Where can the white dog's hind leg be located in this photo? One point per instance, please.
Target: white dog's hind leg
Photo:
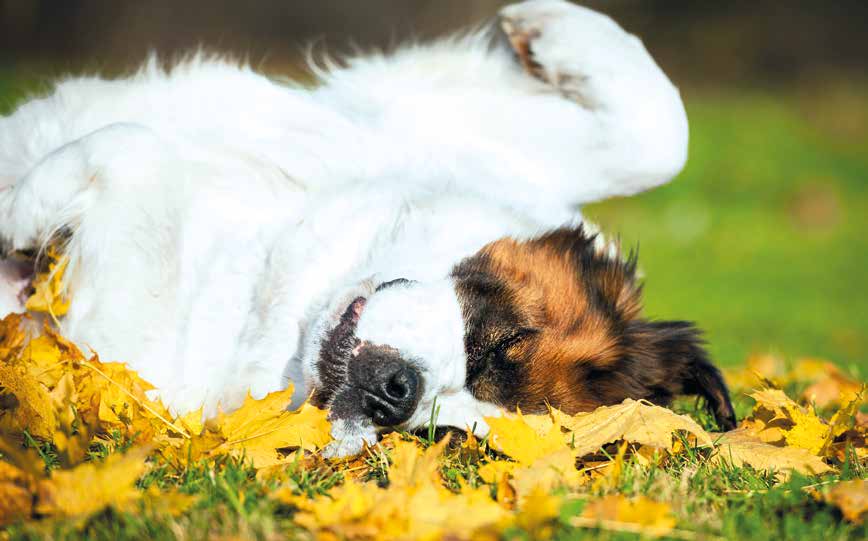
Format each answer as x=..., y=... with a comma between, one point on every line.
x=595, y=117
x=58, y=190
x=591, y=60
x=110, y=192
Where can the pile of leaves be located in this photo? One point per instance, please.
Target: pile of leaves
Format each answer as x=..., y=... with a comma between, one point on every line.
x=86, y=453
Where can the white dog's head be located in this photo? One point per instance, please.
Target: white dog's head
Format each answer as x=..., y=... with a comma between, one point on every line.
x=553, y=320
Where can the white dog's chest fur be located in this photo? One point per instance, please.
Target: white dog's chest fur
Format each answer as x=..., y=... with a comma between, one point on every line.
x=217, y=215
x=251, y=281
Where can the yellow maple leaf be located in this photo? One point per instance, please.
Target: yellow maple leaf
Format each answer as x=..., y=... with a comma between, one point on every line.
x=89, y=488
x=485, y=519
x=415, y=505
x=50, y=295
x=808, y=431
x=525, y=437
x=32, y=409
x=171, y=502
x=345, y=504
x=260, y=427
x=799, y=427
x=640, y=515
x=44, y=360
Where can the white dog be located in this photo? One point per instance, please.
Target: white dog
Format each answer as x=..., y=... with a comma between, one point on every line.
x=227, y=232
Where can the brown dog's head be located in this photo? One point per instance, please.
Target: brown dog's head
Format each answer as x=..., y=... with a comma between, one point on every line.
x=555, y=320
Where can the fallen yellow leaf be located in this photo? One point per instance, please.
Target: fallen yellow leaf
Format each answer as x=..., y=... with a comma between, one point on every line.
x=16, y=494
x=513, y=435
x=259, y=428
x=32, y=408
x=50, y=295
x=555, y=470
x=411, y=466
x=851, y=497
x=739, y=447
x=619, y=513
x=91, y=487
x=757, y=368
x=799, y=427
x=537, y=513
x=834, y=388
x=635, y=421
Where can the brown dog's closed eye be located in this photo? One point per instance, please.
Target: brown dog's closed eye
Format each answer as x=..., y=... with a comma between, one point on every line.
x=557, y=320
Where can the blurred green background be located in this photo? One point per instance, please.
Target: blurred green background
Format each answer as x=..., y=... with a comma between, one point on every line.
x=762, y=239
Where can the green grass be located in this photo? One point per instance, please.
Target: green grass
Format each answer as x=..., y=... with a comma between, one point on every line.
x=709, y=501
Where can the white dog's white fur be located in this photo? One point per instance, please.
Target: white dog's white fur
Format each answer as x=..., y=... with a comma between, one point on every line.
x=221, y=221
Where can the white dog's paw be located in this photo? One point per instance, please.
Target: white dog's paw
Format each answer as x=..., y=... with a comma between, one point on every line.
x=350, y=438
x=577, y=50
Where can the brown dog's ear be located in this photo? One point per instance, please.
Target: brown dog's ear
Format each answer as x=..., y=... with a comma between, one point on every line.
x=669, y=357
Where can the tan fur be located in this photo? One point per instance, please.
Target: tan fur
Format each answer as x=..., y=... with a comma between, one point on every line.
x=546, y=287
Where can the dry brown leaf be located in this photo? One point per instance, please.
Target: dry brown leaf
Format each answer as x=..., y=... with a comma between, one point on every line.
x=851, y=497
x=635, y=421
x=739, y=447
x=12, y=336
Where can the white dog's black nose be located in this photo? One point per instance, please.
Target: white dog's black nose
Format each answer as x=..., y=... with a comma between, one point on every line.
x=390, y=385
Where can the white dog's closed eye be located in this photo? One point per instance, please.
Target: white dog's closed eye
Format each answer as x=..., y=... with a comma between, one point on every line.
x=220, y=245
